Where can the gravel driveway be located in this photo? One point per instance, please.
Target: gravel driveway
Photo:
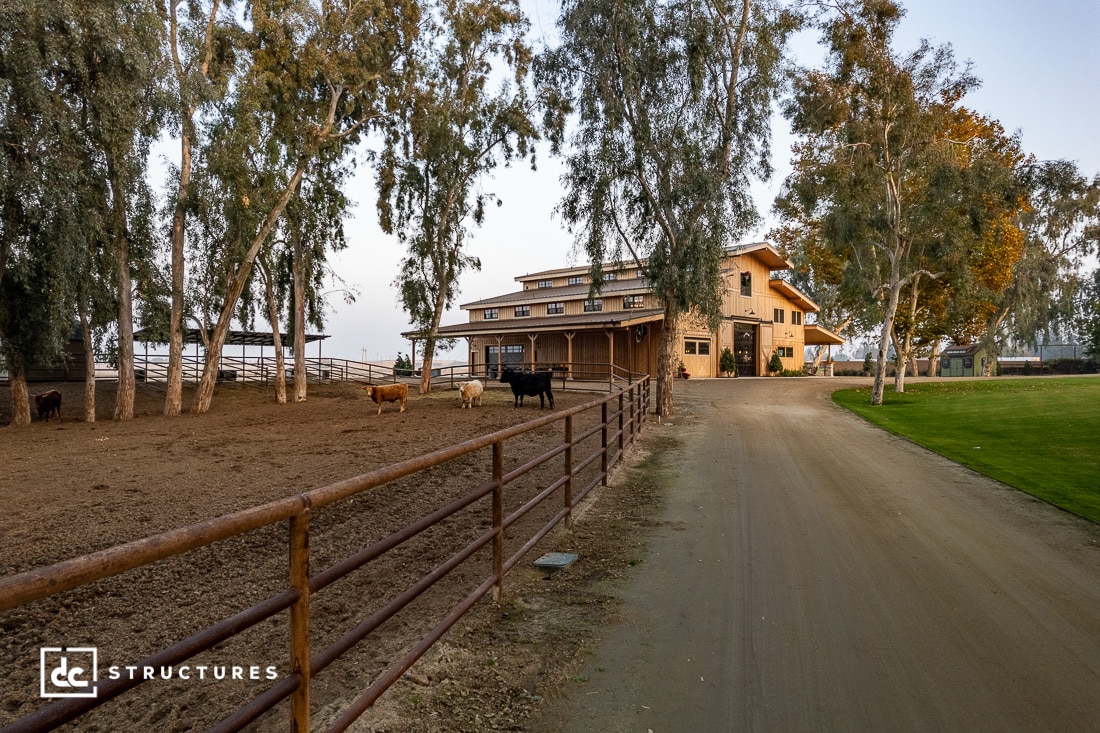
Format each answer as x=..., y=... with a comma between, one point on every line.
x=812, y=572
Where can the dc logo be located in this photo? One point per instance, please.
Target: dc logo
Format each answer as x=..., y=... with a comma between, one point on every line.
x=68, y=671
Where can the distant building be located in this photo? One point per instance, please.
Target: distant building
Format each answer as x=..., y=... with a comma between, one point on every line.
x=554, y=322
x=964, y=360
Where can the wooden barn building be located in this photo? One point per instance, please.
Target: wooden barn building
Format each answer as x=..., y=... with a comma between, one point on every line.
x=551, y=322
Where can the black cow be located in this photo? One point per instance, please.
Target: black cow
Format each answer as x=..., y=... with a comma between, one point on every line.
x=48, y=403
x=526, y=383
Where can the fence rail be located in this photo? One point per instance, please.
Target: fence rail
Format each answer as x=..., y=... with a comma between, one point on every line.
x=621, y=417
x=263, y=369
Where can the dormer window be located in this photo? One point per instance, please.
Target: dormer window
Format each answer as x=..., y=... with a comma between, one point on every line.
x=633, y=301
x=576, y=280
x=546, y=283
x=610, y=276
x=522, y=311
x=555, y=309
x=491, y=314
x=593, y=305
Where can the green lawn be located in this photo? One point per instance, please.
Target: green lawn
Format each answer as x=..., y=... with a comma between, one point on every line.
x=1040, y=435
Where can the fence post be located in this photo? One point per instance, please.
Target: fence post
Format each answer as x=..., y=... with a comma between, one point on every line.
x=603, y=441
x=299, y=621
x=620, y=424
x=498, y=520
x=633, y=413
x=568, y=470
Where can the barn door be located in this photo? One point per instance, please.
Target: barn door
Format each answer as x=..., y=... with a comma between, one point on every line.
x=744, y=349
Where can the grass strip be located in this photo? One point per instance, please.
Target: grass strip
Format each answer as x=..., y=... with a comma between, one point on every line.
x=1040, y=435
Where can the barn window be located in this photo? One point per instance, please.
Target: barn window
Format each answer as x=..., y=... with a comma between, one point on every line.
x=546, y=283
x=553, y=309
x=697, y=347
x=633, y=301
x=796, y=318
x=576, y=280
x=777, y=315
x=491, y=314
x=610, y=276
x=522, y=311
x=746, y=284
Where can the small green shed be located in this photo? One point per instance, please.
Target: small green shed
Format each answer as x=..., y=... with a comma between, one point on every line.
x=964, y=360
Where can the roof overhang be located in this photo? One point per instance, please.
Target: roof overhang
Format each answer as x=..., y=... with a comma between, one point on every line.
x=795, y=295
x=764, y=252
x=819, y=336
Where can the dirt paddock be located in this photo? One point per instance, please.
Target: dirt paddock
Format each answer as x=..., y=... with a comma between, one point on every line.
x=69, y=488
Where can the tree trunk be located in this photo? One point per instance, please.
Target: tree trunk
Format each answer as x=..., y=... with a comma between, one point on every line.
x=439, y=306
x=20, y=403
x=204, y=394
x=301, y=377
x=124, y=402
x=173, y=400
x=89, y=365
x=934, y=361
x=884, y=343
x=276, y=336
x=666, y=362
x=426, y=365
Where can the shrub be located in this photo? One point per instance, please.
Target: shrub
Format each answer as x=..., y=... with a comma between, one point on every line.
x=726, y=363
x=775, y=366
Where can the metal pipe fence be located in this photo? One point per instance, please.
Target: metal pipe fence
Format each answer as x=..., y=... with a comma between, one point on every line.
x=621, y=417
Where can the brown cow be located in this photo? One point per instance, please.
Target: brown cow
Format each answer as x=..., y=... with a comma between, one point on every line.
x=48, y=403
x=388, y=393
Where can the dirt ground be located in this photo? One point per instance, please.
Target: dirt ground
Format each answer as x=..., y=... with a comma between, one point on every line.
x=68, y=488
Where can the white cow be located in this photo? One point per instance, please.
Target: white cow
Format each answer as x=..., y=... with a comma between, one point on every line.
x=471, y=393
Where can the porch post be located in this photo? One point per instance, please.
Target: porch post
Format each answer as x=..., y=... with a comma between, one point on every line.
x=610, y=353
x=533, y=337
x=569, y=352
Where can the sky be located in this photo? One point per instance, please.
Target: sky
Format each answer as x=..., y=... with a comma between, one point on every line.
x=1040, y=75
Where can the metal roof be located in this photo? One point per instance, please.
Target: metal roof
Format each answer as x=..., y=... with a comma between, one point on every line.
x=563, y=292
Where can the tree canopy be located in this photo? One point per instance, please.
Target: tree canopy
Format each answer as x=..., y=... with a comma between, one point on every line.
x=670, y=106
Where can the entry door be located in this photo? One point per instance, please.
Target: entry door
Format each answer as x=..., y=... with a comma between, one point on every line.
x=744, y=349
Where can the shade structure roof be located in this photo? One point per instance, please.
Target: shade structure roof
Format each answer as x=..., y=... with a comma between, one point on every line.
x=234, y=338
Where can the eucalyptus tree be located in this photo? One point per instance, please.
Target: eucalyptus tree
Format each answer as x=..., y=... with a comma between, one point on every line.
x=203, y=40
x=1088, y=315
x=455, y=129
x=1061, y=228
x=81, y=108
x=671, y=103
x=880, y=172
x=295, y=266
x=116, y=80
x=39, y=171
x=316, y=74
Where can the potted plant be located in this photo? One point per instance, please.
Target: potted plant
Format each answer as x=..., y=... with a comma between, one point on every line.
x=683, y=371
